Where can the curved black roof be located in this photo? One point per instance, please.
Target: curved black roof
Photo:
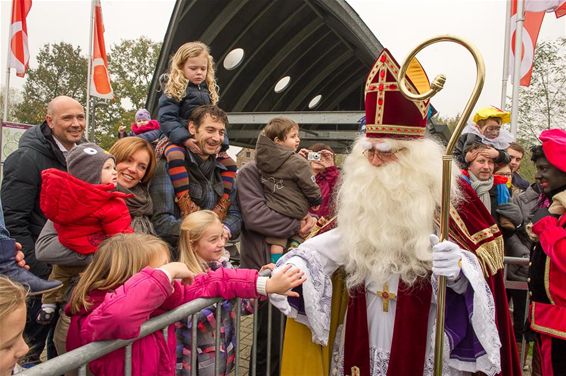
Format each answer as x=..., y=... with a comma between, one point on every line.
x=322, y=45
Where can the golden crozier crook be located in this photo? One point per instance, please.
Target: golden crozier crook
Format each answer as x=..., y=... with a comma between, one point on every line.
x=436, y=86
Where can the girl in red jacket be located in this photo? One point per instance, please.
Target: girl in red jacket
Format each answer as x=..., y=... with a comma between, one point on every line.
x=85, y=209
x=131, y=280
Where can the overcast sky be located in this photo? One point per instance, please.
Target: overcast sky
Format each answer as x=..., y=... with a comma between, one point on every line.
x=398, y=24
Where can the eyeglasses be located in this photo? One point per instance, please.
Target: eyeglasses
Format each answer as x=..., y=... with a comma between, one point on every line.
x=371, y=153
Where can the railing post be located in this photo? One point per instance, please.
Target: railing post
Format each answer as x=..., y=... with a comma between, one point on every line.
x=238, y=322
x=217, y=342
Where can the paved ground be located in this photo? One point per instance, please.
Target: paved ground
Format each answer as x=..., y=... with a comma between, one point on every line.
x=246, y=338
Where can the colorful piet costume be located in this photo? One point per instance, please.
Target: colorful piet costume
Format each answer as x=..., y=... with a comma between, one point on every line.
x=387, y=328
x=547, y=273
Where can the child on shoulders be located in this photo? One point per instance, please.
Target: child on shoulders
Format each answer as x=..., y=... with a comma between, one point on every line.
x=486, y=130
x=191, y=83
x=143, y=126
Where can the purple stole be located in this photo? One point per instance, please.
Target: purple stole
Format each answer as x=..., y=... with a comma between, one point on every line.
x=408, y=348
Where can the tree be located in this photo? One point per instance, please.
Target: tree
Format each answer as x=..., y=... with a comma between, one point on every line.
x=541, y=105
x=61, y=71
x=131, y=64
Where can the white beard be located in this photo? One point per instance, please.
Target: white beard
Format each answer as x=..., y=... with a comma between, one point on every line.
x=386, y=213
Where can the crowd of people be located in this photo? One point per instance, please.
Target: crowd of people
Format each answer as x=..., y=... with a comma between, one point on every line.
x=93, y=243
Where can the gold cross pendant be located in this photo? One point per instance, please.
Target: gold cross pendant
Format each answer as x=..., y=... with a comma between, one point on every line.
x=385, y=296
x=355, y=371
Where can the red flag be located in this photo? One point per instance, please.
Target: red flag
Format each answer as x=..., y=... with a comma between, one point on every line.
x=560, y=9
x=100, y=78
x=534, y=15
x=19, y=53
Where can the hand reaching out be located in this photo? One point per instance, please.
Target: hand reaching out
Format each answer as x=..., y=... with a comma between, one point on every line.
x=284, y=279
x=179, y=270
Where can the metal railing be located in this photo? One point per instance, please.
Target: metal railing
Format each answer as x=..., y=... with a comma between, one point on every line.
x=518, y=285
x=79, y=358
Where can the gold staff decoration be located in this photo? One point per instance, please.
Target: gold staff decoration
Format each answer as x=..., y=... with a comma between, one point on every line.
x=436, y=86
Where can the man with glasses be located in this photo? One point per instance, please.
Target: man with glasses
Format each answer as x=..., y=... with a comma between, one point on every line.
x=387, y=210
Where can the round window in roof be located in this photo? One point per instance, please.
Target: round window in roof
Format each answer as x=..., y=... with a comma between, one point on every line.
x=282, y=84
x=234, y=59
x=315, y=101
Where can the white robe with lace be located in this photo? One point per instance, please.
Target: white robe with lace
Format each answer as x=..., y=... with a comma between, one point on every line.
x=319, y=257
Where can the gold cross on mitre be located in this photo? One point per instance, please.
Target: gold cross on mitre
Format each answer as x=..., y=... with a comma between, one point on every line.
x=385, y=296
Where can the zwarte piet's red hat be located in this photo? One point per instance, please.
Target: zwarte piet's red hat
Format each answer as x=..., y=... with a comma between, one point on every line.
x=388, y=113
x=554, y=147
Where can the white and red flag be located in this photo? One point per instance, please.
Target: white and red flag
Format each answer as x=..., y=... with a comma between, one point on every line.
x=100, y=77
x=534, y=15
x=18, y=51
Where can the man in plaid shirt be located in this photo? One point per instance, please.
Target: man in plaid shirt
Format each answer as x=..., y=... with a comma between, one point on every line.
x=208, y=125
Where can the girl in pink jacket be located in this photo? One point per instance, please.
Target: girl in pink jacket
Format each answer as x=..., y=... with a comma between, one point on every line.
x=131, y=280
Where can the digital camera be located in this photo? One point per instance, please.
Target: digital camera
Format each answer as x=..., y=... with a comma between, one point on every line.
x=313, y=156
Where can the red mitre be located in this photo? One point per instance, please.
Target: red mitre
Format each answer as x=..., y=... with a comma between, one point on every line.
x=388, y=113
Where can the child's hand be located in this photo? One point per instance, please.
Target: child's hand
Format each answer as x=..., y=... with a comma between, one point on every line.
x=269, y=266
x=304, y=153
x=122, y=128
x=284, y=279
x=179, y=270
x=193, y=146
x=307, y=223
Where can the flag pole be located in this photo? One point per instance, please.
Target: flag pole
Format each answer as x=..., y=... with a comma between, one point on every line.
x=88, y=129
x=507, y=51
x=7, y=82
x=517, y=66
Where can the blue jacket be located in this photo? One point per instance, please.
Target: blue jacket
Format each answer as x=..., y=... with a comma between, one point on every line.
x=173, y=116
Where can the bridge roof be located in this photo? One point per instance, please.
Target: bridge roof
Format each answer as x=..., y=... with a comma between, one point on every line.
x=321, y=45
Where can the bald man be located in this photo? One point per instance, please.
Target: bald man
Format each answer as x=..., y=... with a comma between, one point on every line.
x=40, y=147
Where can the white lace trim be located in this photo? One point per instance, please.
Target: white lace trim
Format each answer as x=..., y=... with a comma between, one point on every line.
x=483, y=322
x=317, y=293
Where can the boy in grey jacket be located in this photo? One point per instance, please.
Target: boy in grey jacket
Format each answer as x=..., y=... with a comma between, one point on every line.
x=287, y=179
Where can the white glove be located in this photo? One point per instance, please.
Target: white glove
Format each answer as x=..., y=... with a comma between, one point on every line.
x=446, y=258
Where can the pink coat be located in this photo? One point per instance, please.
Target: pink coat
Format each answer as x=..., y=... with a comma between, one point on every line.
x=119, y=314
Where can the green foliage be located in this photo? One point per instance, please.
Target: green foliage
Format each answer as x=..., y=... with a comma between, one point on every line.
x=61, y=71
x=541, y=105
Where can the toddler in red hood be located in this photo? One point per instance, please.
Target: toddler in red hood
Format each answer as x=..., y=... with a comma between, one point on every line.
x=85, y=208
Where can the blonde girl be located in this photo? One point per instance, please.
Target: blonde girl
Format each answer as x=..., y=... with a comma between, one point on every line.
x=200, y=69
x=201, y=248
x=130, y=280
x=191, y=83
x=12, y=323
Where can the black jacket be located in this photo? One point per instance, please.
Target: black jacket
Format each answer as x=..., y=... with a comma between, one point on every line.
x=21, y=186
x=173, y=116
